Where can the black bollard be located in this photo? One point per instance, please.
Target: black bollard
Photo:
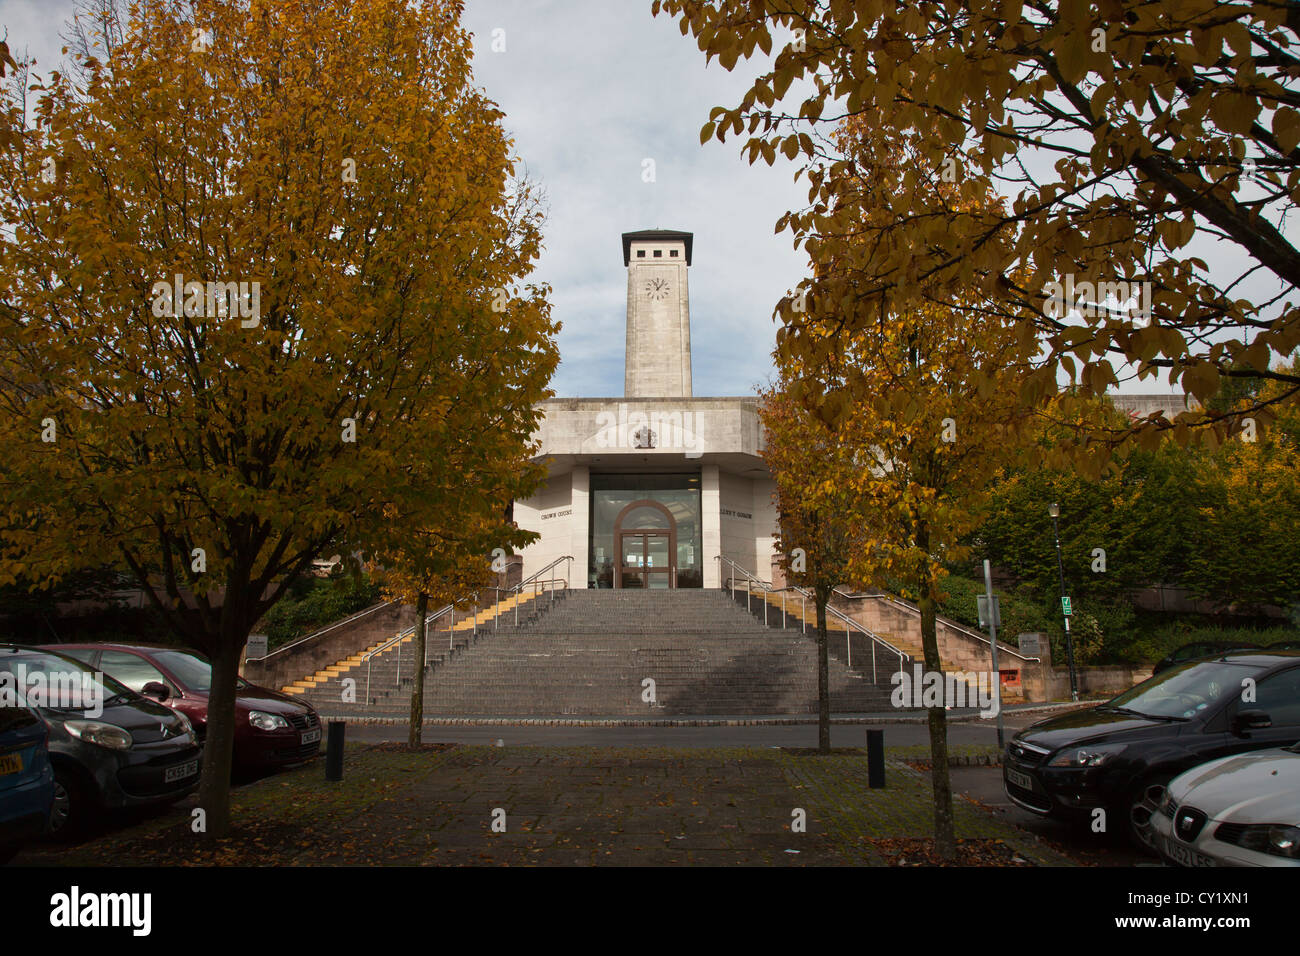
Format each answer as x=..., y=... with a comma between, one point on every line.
x=334, y=750
x=876, y=759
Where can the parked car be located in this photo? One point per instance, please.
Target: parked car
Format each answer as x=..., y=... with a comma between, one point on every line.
x=1120, y=755
x=1235, y=811
x=1198, y=649
x=271, y=729
x=110, y=748
x=26, y=777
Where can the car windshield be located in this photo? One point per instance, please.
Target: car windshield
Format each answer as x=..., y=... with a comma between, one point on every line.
x=61, y=683
x=190, y=669
x=1184, y=691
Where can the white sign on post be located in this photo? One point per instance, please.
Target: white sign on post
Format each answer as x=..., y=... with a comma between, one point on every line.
x=984, y=611
x=256, y=649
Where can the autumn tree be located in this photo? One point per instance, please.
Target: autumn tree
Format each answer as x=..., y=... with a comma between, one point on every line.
x=1133, y=142
x=1213, y=520
x=1126, y=528
x=925, y=404
x=453, y=562
x=1242, y=553
x=819, y=533
x=262, y=283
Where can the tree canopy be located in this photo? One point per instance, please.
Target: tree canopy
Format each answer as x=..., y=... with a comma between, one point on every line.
x=259, y=300
x=1116, y=133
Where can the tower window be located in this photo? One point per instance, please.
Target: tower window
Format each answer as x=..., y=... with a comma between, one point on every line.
x=640, y=253
x=672, y=253
x=659, y=253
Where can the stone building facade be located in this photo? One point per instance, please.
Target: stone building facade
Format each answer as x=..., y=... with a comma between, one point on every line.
x=649, y=489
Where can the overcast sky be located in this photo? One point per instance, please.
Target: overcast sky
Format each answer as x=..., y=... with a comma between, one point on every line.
x=592, y=89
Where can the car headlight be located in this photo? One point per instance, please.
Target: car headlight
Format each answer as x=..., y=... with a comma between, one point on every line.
x=265, y=721
x=1274, y=840
x=1088, y=756
x=105, y=735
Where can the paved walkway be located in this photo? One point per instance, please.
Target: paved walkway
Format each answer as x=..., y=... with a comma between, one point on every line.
x=561, y=806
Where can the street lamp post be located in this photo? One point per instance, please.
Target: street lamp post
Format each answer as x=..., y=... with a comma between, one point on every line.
x=1055, y=511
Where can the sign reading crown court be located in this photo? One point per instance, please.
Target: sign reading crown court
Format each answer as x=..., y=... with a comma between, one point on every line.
x=647, y=490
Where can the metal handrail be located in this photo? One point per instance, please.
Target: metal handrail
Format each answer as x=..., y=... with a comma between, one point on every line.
x=314, y=634
x=1003, y=647
x=804, y=593
x=368, y=657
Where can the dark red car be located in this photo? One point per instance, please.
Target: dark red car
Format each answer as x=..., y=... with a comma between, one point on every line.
x=271, y=729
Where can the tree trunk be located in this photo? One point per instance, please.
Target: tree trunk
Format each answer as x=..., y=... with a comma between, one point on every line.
x=945, y=837
x=219, y=745
x=415, y=735
x=823, y=675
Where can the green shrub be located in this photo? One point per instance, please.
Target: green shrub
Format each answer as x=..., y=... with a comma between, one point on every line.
x=1167, y=636
x=1021, y=611
x=315, y=603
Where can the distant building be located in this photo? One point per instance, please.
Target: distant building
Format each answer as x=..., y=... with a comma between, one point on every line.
x=1141, y=406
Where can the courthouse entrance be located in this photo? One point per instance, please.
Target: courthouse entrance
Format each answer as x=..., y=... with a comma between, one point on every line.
x=647, y=545
x=645, y=531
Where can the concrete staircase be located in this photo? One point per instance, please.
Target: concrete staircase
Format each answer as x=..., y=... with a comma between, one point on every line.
x=593, y=652
x=800, y=613
x=889, y=624
x=464, y=628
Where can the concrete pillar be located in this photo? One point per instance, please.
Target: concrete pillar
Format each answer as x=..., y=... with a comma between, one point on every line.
x=711, y=525
x=579, y=525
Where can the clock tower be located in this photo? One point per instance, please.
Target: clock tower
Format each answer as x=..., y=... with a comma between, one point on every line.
x=658, y=362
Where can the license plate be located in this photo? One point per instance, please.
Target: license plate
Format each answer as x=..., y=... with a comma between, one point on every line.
x=1183, y=855
x=311, y=736
x=11, y=763
x=1022, y=780
x=180, y=772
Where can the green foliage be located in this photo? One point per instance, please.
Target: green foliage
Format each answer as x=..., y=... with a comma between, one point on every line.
x=1248, y=519
x=317, y=603
x=1103, y=632
x=1142, y=518
x=1164, y=636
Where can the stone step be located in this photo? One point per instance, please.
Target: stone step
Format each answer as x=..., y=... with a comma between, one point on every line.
x=590, y=650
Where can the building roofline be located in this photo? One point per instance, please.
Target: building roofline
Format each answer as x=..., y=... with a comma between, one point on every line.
x=651, y=234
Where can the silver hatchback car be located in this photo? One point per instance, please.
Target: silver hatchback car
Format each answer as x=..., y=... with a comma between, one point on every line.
x=1236, y=811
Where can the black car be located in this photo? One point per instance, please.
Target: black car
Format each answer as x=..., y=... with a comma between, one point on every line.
x=1199, y=649
x=110, y=747
x=1118, y=756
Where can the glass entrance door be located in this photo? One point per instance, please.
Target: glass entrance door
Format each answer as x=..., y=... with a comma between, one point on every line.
x=645, y=559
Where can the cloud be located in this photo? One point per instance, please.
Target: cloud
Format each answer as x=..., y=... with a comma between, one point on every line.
x=591, y=90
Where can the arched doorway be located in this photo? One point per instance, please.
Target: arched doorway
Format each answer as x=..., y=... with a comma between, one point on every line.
x=645, y=533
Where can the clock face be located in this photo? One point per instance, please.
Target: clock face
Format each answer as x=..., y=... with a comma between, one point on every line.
x=657, y=289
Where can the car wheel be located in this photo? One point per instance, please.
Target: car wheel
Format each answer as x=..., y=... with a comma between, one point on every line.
x=1142, y=803
x=68, y=811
